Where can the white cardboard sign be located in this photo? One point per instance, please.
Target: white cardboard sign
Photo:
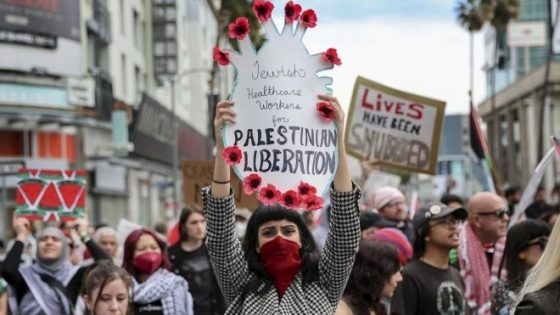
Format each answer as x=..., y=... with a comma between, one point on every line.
x=397, y=128
x=279, y=131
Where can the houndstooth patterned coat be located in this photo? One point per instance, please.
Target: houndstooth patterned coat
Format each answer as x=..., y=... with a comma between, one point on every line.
x=317, y=298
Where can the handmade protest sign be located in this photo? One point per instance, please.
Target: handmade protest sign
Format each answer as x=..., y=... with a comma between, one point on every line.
x=198, y=174
x=284, y=143
x=51, y=195
x=399, y=129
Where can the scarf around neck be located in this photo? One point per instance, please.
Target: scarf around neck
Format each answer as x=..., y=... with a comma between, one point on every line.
x=170, y=289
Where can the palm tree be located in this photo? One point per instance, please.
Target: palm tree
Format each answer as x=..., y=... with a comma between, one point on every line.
x=225, y=13
x=472, y=15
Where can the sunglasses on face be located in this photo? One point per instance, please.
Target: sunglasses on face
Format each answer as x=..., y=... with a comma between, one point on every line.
x=500, y=213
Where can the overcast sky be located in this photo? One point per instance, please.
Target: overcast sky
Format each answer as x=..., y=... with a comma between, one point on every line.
x=412, y=45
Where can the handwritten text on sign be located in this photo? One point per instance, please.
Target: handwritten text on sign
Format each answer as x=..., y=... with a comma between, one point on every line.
x=278, y=128
x=399, y=129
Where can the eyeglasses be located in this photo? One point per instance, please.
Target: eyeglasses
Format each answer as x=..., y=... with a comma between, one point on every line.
x=500, y=213
x=449, y=222
x=540, y=241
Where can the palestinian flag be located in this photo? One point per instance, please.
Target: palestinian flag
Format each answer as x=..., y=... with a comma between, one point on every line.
x=479, y=149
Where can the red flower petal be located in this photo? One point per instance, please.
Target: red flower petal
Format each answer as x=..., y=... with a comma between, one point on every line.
x=251, y=183
x=304, y=189
x=309, y=18
x=263, y=10
x=290, y=199
x=269, y=195
x=326, y=110
x=331, y=56
x=312, y=203
x=221, y=57
x=292, y=12
x=232, y=155
x=239, y=29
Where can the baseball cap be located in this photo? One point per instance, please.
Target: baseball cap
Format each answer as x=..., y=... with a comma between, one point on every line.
x=436, y=211
x=372, y=219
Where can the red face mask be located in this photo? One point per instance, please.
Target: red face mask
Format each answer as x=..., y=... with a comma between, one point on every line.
x=280, y=257
x=147, y=262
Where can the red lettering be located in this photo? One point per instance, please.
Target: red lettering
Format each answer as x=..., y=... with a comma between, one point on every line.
x=417, y=111
x=399, y=111
x=365, y=104
x=389, y=106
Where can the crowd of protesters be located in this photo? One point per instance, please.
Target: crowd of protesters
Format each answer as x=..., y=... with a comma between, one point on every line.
x=450, y=257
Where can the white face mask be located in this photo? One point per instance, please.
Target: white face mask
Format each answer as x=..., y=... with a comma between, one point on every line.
x=240, y=229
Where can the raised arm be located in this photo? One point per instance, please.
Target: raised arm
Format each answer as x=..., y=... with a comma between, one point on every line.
x=10, y=266
x=341, y=246
x=223, y=245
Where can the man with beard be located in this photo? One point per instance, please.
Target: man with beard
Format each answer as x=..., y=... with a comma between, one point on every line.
x=430, y=285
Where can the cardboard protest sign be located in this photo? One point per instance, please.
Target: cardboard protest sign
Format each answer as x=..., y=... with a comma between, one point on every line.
x=198, y=174
x=51, y=195
x=284, y=137
x=399, y=129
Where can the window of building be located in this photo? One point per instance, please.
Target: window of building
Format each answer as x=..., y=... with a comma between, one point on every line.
x=123, y=76
x=159, y=48
x=136, y=28
x=170, y=30
x=171, y=14
x=138, y=80
x=122, y=17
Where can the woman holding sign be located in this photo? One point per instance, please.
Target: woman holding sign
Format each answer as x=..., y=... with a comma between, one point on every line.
x=278, y=270
x=52, y=284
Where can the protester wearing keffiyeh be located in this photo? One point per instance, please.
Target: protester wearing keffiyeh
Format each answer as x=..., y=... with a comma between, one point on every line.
x=481, y=249
x=156, y=290
x=166, y=287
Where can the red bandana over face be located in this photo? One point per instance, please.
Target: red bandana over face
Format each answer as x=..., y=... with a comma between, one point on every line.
x=280, y=257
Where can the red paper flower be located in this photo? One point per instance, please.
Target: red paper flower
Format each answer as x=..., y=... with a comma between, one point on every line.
x=269, y=195
x=304, y=189
x=263, y=10
x=221, y=57
x=312, y=203
x=326, y=110
x=239, y=29
x=292, y=11
x=232, y=155
x=309, y=18
x=290, y=199
x=331, y=56
x=251, y=183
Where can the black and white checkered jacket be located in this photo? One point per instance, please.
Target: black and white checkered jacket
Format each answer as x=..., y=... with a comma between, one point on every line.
x=316, y=298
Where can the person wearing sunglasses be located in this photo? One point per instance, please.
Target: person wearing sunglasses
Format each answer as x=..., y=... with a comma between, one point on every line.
x=481, y=248
x=525, y=244
x=430, y=285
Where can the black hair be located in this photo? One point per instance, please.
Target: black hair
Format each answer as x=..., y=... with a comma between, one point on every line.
x=185, y=214
x=376, y=262
x=518, y=236
x=308, y=251
x=419, y=245
x=449, y=198
x=512, y=191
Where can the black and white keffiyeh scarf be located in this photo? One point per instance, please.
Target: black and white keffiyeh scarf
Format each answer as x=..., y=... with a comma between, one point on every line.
x=170, y=289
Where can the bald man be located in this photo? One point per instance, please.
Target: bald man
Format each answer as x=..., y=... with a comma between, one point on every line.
x=481, y=248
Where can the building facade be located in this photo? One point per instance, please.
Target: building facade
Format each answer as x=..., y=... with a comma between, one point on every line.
x=65, y=73
x=522, y=107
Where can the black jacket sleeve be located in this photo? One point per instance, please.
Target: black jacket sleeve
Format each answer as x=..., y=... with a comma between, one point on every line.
x=10, y=270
